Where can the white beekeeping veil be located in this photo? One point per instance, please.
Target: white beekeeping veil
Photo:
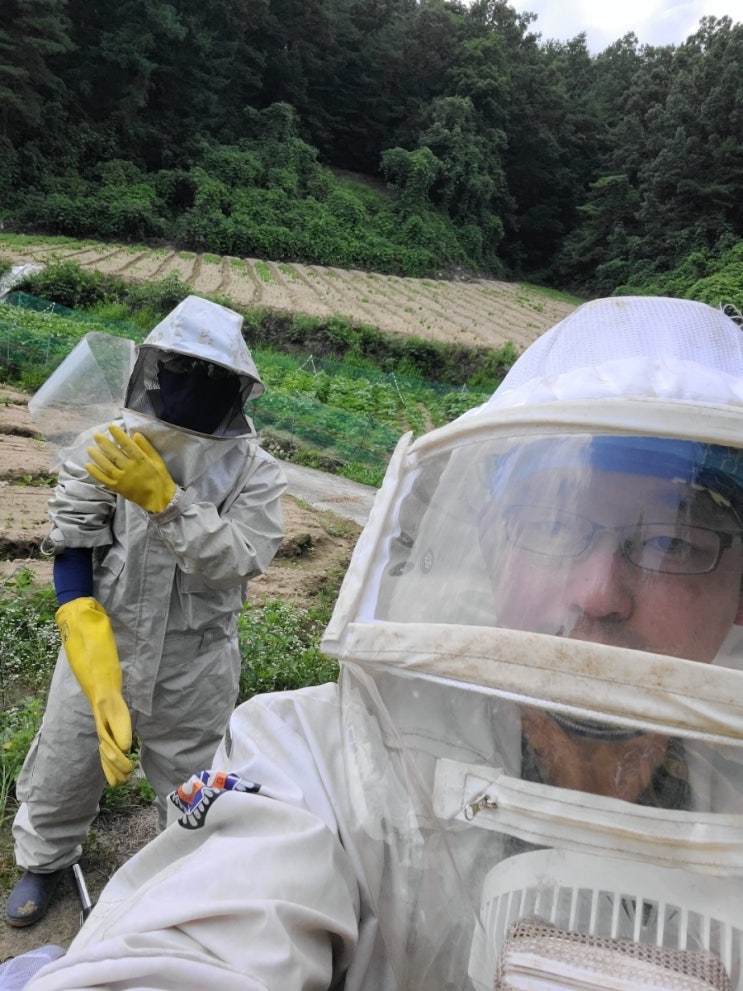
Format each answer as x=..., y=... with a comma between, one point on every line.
x=539, y=643
x=633, y=346
x=85, y=390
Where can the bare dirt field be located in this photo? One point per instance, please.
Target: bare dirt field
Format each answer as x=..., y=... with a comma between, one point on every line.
x=318, y=543
x=475, y=313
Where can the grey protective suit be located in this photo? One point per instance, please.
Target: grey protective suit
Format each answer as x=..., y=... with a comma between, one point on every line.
x=172, y=583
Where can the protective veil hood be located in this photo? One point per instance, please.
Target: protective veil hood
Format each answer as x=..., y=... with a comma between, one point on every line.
x=198, y=329
x=601, y=351
x=511, y=763
x=104, y=373
x=84, y=391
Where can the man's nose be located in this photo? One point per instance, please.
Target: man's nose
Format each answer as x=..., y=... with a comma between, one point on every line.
x=599, y=581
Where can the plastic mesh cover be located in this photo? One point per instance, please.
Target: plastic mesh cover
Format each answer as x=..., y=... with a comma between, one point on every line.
x=631, y=346
x=16, y=972
x=538, y=956
x=144, y=390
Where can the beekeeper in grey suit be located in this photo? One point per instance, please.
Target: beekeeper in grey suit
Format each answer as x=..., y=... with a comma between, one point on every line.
x=158, y=523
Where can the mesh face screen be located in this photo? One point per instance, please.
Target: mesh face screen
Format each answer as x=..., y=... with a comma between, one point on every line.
x=568, y=960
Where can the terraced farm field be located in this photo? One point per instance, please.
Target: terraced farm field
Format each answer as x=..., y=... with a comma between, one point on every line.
x=474, y=312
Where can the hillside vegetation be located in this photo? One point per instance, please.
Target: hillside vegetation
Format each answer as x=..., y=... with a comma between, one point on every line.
x=410, y=139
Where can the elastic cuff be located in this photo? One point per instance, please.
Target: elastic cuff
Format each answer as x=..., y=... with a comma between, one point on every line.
x=180, y=502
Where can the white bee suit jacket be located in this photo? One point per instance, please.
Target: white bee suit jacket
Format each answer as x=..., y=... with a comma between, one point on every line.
x=260, y=891
x=358, y=849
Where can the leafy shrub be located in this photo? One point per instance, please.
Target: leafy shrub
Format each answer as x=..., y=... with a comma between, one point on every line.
x=724, y=285
x=204, y=228
x=274, y=241
x=279, y=645
x=137, y=791
x=231, y=164
x=156, y=297
x=29, y=640
x=29, y=643
x=65, y=282
x=456, y=403
x=127, y=218
x=348, y=210
x=176, y=189
x=700, y=275
x=366, y=474
x=320, y=184
x=18, y=726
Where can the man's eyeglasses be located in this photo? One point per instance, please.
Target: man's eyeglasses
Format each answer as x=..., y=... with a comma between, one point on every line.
x=183, y=364
x=665, y=548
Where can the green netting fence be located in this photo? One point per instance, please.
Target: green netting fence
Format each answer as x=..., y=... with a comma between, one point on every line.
x=345, y=413
x=352, y=414
x=339, y=436
x=37, y=335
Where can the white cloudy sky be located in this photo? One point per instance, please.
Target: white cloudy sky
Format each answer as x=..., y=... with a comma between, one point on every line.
x=655, y=22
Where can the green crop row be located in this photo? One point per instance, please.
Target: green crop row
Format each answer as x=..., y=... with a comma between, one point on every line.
x=341, y=416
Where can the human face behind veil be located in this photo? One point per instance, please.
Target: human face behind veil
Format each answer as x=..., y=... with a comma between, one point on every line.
x=599, y=594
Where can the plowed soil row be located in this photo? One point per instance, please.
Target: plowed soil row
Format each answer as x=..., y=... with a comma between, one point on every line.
x=479, y=312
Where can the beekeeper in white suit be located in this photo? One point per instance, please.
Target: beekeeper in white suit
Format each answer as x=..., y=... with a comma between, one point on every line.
x=158, y=523
x=530, y=773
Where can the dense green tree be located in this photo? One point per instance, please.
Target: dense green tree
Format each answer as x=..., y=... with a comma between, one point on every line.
x=429, y=54
x=353, y=91
x=692, y=174
x=214, y=69
x=413, y=173
x=156, y=76
x=551, y=154
x=305, y=46
x=214, y=124
x=607, y=229
x=470, y=184
x=32, y=34
x=501, y=18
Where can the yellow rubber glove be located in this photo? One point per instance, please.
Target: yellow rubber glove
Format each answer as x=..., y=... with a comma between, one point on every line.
x=91, y=651
x=131, y=467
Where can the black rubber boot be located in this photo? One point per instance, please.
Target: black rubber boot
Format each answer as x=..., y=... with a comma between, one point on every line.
x=30, y=898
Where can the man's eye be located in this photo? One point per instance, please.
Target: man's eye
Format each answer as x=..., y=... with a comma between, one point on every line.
x=545, y=534
x=547, y=528
x=670, y=545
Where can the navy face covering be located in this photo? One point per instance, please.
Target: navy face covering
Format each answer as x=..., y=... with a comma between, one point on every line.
x=195, y=401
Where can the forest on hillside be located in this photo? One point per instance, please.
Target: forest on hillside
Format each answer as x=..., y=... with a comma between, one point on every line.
x=413, y=137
